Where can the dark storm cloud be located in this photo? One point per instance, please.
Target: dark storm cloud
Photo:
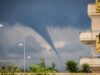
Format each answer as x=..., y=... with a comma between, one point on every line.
x=36, y=13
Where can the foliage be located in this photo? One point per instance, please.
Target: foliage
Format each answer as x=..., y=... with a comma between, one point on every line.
x=52, y=68
x=71, y=66
x=86, y=68
x=41, y=68
x=10, y=69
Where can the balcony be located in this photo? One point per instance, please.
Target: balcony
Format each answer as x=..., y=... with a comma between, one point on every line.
x=92, y=10
x=92, y=61
x=88, y=37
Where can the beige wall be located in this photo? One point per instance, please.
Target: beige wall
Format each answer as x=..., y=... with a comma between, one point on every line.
x=91, y=61
x=95, y=23
x=95, y=17
x=91, y=8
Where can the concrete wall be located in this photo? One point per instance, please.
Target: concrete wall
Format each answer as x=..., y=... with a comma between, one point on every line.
x=95, y=17
x=91, y=61
x=95, y=23
x=91, y=8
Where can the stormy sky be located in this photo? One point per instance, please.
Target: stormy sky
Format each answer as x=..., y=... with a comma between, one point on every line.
x=49, y=27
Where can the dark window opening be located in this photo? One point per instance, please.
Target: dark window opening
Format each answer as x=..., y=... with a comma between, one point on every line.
x=98, y=0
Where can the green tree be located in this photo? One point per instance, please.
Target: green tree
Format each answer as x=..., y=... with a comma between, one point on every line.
x=33, y=68
x=52, y=68
x=3, y=69
x=42, y=63
x=71, y=66
x=41, y=68
x=13, y=68
x=86, y=68
x=10, y=69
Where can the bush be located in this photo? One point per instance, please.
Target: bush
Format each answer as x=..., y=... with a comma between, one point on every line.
x=86, y=68
x=71, y=66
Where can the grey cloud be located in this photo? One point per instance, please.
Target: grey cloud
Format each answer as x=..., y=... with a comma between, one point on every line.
x=12, y=36
x=72, y=50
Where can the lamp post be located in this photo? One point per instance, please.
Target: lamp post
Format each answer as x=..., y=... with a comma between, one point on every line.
x=1, y=25
x=24, y=46
x=29, y=57
x=20, y=44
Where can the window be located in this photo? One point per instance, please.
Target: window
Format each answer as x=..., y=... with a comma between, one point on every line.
x=98, y=0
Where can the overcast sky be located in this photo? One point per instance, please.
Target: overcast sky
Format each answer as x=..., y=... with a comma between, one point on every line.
x=50, y=27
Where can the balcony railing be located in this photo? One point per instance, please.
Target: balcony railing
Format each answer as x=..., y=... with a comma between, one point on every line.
x=88, y=37
x=92, y=9
x=92, y=61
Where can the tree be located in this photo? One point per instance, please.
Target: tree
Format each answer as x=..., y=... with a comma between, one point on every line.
x=42, y=63
x=52, y=68
x=86, y=68
x=41, y=68
x=13, y=68
x=71, y=66
x=3, y=69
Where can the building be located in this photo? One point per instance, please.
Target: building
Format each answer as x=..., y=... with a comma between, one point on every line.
x=92, y=37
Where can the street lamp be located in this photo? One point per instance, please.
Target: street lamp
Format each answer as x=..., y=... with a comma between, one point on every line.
x=20, y=44
x=1, y=25
x=24, y=46
x=29, y=57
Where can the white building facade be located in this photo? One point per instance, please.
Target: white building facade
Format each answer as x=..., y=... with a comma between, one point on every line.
x=89, y=38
